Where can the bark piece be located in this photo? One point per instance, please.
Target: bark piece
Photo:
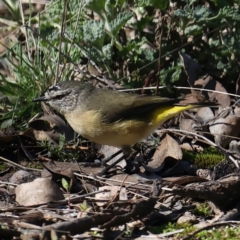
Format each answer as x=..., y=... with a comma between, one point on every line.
x=224, y=193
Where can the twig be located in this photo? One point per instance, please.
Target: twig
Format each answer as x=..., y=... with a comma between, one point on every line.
x=26, y=225
x=164, y=235
x=18, y=165
x=8, y=183
x=117, y=193
x=75, y=199
x=176, y=87
x=222, y=135
x=97, y=178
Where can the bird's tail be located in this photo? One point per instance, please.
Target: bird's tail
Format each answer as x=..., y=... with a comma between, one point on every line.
x=166, y=112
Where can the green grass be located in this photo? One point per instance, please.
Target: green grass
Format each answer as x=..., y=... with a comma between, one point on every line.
x=203, y=210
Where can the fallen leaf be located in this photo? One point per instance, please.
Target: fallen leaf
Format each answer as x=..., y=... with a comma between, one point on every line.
x=53, y=123
x=228, y=125
x=168, y=148
x=204, y=114
x=186, y=124
x=210, y=83
x=191, y=67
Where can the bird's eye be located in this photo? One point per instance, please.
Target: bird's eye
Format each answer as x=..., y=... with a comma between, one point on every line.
x=59, y=97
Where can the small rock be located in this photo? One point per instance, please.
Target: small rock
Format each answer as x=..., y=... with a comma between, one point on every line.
x=40, y=191
x=204, y=173
x=187, y=218
x=21, y=176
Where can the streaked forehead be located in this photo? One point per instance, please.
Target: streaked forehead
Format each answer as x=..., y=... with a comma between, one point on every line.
x=54, y=88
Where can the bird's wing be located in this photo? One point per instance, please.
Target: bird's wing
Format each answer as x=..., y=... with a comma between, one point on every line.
x=116, y=106
x=142, y=106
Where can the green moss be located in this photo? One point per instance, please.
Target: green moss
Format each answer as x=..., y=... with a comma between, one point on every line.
x=203, y=210
x=170, y=227
x=167, y=227
x=209, y=158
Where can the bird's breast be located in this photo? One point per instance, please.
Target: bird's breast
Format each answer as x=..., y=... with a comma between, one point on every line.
x=90, y=125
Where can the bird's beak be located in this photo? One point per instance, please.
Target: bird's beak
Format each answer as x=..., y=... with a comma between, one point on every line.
x=40, y=99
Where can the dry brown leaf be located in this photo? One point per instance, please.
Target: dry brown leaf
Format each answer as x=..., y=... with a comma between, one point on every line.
x=168, y=148
x=204, y=114
x=53, y=122
x=192, y=68
x=228, y=125
x=186, y=124
x=57, y=173
x=33, y=217
x=40, y=135
x=211, y=84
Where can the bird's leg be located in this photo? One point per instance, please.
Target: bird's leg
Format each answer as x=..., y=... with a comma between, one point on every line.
x=108, y=167
x=106, y=160
x=127, y=151
x=128, y=155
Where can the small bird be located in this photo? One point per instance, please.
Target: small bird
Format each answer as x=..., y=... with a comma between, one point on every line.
x=110, y=117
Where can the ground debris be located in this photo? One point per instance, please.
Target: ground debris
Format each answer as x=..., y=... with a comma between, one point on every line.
x=223, y=192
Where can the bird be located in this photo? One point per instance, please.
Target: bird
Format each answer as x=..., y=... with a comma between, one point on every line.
x=110, y=117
